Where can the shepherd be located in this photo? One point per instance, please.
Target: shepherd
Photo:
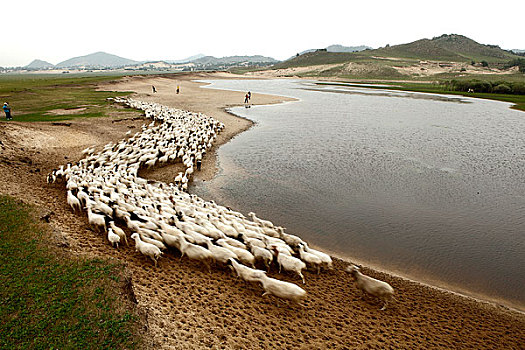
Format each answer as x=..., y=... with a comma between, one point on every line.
x=7, y=110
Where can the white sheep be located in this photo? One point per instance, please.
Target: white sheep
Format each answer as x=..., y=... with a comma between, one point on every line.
x=120, y=232
x=73, y=201
x=147, y=249
x=282, y=289
x=289, y=263
x=96, y=220
x=195, y=252
x=325, y=258
x=220, y=254
x=153, y=241
x=291, y=240
x=261, y=254
x=262, y=223
x=372, y=286
x=244, y=255
x=246, y=273
x=113, y=238
x=310, y=258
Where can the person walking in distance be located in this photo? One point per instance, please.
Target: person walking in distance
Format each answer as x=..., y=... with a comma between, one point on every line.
x=249, y=95
x=153, y=87
x=178, y=89
x=7, y=110
x=246, y=98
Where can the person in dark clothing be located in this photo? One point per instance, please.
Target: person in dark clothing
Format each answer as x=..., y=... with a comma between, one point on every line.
x=198, y=159
x=246, y=99
x=7, y=110
x=153, y=87
x=249, y=95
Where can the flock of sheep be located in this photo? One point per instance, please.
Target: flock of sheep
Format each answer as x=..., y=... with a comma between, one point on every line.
x=162, y=216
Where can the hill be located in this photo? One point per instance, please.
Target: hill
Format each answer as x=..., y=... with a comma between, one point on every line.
x=39, y=64
x=447, y=47
x=97, y=60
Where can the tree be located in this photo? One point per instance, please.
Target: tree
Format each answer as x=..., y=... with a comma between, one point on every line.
x=484, y=63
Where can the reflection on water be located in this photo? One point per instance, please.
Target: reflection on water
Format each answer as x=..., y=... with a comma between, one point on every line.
x=431, y=189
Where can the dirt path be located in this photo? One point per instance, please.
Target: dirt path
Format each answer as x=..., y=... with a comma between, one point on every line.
x=189, y=308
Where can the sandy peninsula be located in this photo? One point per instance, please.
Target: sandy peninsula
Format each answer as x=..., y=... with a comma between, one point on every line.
x=186, y=307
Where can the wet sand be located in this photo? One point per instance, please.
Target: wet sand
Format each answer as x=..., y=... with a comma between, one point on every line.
x=186, y=307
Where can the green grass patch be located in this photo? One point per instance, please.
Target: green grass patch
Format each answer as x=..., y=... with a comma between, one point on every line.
x=49, y=301
x=35, y=97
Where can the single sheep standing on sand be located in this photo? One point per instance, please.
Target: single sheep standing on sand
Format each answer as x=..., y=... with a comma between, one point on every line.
x=377, y=288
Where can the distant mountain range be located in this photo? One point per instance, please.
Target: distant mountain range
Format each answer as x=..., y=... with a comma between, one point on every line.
x=185, y=60
x=105, y=60
x=339, y=48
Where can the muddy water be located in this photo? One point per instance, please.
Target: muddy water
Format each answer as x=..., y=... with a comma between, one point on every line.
x=431, y=187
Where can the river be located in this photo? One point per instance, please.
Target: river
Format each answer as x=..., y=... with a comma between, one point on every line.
x=430, y=187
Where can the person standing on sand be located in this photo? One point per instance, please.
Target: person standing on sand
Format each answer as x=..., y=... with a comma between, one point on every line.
x=246, y=98
x=153, y=87
x=249, y=95
x=178, y=89
x=198, y=159
x=7, y=110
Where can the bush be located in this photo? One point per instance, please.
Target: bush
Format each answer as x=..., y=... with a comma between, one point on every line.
x=484, y=63
x=502, y=89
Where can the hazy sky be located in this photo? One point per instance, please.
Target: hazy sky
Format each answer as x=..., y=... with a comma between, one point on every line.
x=56, y=30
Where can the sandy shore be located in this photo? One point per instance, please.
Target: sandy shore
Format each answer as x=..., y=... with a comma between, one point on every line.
x=189, y=308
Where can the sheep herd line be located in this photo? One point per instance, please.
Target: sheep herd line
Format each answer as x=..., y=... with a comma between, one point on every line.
x=163, y=216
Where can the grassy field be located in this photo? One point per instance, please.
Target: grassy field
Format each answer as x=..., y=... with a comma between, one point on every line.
x=34, y=97
x=51, y=301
